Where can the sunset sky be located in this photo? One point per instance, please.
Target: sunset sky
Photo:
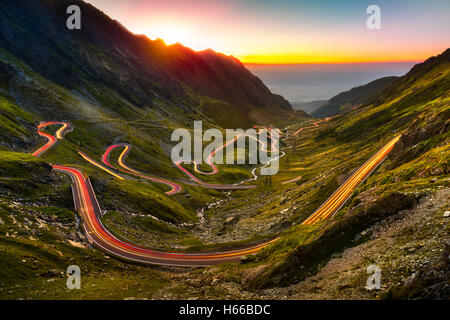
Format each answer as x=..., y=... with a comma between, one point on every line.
x=292, y=31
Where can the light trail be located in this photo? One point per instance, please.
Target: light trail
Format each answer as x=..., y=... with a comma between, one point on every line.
x=341, y=195
x=98, y=165
x=174, y=187
x=315, y=124
x=209, y=161
x=89, y=210
x=51, y=139
x=292, y=180
x=88, y=207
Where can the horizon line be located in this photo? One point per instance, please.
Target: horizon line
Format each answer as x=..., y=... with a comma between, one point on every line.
x=325, y=63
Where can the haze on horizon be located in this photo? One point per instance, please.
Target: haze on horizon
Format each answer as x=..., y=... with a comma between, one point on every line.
x=311, y=82
x=291, y=31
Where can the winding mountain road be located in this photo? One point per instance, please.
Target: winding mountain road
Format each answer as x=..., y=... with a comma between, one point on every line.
x=315, y=124
x=214, y=169
x=51, y=139
x=90, y=213
x=87, y=206
x=174, y=187
x=343, y=193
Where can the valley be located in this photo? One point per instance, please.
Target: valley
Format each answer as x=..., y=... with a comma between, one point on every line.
x=87, y=177
x=88, y=208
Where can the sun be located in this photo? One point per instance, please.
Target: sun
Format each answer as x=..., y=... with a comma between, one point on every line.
x=170, y=33
x=187, y=35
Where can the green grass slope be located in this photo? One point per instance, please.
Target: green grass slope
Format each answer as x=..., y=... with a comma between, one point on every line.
x=352, y=98
x=417, y=106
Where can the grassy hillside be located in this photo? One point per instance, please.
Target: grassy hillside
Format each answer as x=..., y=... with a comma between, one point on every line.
x=418, y=107
x=139, y=98
x=353, y=98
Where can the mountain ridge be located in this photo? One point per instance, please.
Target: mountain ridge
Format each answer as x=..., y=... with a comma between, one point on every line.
x=103, y=97
x=104, y=54
x=353, y=98
x=416, y=108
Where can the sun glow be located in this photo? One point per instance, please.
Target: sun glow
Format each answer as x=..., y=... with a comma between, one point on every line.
x=188, y=37
x=170, y=33
x=286, y=32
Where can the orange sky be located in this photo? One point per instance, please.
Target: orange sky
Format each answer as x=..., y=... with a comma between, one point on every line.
x=291, y=31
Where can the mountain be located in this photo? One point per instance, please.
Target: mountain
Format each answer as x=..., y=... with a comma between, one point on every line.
x=116, y=88
x=105, y=57
x=352, y=98
x=414, y=178
x=112, y=85
x=310, y=106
